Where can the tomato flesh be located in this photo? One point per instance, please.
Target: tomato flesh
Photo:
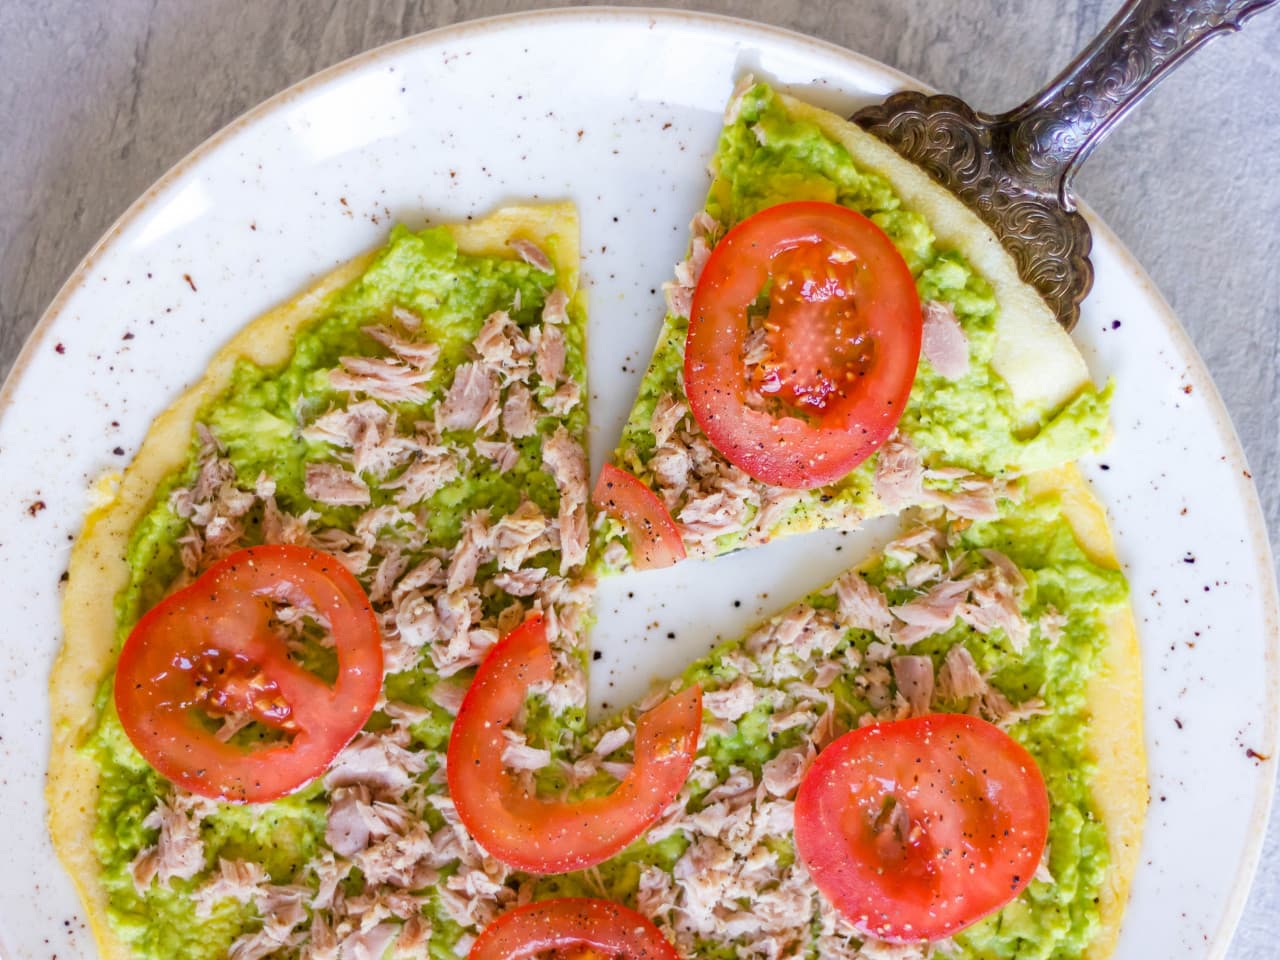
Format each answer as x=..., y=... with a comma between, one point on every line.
x=208, y=652
x=803, y=343
x=555, y=836
x=655, y=539
x=572, y=927
x=916, y=829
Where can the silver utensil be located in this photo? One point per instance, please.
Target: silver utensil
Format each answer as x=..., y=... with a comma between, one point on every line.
x=1014, y=169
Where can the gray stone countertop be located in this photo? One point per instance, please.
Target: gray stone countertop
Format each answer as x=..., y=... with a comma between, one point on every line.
x=97, y=100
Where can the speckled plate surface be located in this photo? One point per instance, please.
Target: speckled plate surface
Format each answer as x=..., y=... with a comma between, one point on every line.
x=618, y=111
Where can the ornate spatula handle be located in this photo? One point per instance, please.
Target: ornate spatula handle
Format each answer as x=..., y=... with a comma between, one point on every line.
x=1048, y=137
x=1014, y=169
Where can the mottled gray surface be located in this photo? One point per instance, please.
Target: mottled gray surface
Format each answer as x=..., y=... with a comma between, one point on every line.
x=98, y=100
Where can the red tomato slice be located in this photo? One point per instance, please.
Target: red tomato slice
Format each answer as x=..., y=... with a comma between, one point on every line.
x=823, y=380
x=208, y=651
x=555, y=836
x=918, y=828
x=655, y=538
x=572, y=927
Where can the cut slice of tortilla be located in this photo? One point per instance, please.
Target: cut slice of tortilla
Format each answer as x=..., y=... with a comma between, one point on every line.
x=829, y=654
x=99, y=571
x=1025, y=403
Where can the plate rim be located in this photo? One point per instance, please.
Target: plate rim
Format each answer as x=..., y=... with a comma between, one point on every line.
x=1196, y=369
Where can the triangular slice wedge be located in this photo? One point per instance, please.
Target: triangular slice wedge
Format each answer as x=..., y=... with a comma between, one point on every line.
x=1016, y=398
x=1023, y=621
x=419, y=414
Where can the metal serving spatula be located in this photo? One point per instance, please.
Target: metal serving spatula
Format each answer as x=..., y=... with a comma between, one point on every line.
x=1014, y=169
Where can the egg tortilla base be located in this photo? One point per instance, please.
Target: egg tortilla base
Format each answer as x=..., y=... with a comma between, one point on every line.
x=98, y=570
x=1115, y=701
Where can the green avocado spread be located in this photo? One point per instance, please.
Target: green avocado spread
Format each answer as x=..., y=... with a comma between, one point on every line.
x=766, y=157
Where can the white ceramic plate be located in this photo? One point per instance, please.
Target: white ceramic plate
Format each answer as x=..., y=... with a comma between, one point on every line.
x=617, y=110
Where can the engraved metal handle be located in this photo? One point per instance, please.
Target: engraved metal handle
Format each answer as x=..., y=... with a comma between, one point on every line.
x=1047, y=138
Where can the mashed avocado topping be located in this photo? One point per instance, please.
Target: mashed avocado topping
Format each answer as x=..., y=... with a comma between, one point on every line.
x=970, y=422
x=251, y=454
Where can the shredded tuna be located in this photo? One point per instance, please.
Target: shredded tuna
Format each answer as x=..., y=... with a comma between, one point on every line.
x=329, y=483
x=943, y=342
x=899, y=474
x=958, y=677
x=391, y=380
x=567, y=461
x=549, y=353
x=667, y=414
x=496, y=344
x=706, y=518
x=368, y=944
x=732, y=702
x=472, y=400
x=345, y=546
x=556, y=307
x=406, y=318
x=994, y=706
x=235, y=880
x=355, y=820
x=518, y=755
x=368, y=430
x=433, y=470
x=782, y=775
x=924, y=542
x=422, y=356
x=448, y=695
x=518, y=416
x=672, y=467
x=613, y=740
x=474, y=547
x=1043, y=874
x=565, y=398
x=899, y=481
x=679, y=293
x=860, y=606
x=428, y=573
x=379, y=761
x=179, y=849
x=501, y=453
x=415, y=936
x=519, y=535
x=463, y=647
x=914, y=677
x=934, y=612
x=996, y=600
x=1051, y=624
x=532, y=254
x=520, y=583
x=416, y=621
x=373, y=522
x=390, y=568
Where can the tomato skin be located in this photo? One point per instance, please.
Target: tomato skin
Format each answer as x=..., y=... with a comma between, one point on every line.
x=209, y=645
x=973, y=826
x=549, y=836
x=568, y=923
x=844, y=330
x=655, y=538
